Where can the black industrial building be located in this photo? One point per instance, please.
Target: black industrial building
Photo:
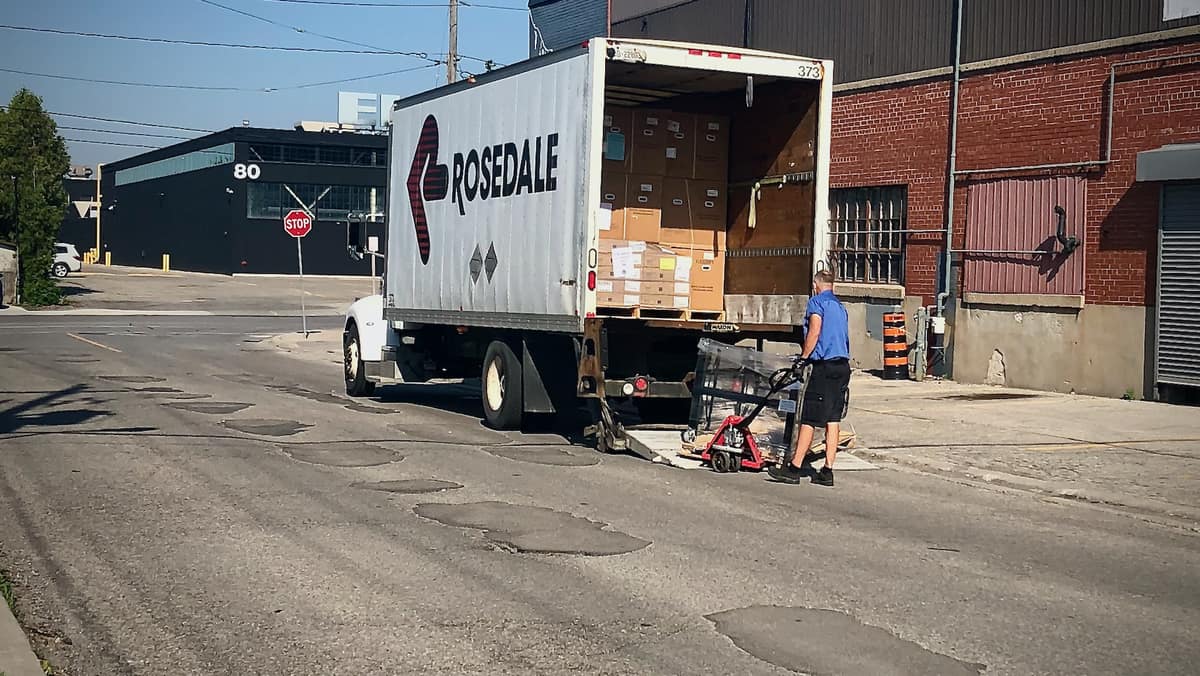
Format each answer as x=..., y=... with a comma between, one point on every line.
x=79, y=221
x=216, y=203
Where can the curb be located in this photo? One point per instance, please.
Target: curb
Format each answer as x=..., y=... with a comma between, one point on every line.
x=1163, y=513
x=16, y=656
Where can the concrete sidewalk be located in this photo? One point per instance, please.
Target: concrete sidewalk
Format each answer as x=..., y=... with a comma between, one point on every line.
x=16, y=657
x=1136, y=456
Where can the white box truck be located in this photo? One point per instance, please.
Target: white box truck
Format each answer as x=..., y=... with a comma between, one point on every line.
x=495, y=223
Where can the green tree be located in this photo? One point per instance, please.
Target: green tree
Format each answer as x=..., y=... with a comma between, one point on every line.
x=33, y=160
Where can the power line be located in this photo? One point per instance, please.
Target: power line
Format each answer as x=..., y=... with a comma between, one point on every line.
x=397, y=5
x=112, y=143
x=257, y=90
x=297, y=29
x=202, y=43
x=125, y=133
x=118, y=121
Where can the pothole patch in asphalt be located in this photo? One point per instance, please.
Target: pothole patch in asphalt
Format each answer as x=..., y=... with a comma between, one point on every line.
x=363, y=408
x=409, y=486
x=133, y=379
x=342, y=455
x=818, y=641
x=544, y=455
x=209, y=407
x=187, y=395
x=77, y=360
x=470, y=434
x=266, y=426
x=533, y=530
x=158, y=390
x=297, y=391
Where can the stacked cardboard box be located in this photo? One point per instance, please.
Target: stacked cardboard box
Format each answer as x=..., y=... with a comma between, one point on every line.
x=633, y=273
x=664, y=201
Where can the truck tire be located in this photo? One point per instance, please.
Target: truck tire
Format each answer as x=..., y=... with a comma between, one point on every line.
x=357, y=384
x=502, y=387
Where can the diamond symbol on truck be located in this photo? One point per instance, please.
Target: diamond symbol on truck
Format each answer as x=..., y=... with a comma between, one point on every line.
x=490, y=263
x=476, y=264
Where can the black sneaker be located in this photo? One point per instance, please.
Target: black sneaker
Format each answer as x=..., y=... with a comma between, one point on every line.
x=788, y=474
x=824, y=477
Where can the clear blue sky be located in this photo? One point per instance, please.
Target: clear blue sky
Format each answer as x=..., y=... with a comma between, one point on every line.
x=485, y=33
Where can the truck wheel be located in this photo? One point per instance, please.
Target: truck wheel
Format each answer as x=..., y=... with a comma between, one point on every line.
x=357, y=384
x=502, y=387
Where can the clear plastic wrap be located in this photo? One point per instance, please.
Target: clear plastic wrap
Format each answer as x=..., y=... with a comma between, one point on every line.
x=732, y=380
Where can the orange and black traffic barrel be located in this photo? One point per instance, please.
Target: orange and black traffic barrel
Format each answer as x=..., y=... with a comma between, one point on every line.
x=895, y=347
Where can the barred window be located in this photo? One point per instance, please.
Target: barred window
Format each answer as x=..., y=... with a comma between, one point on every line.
x=867, y=236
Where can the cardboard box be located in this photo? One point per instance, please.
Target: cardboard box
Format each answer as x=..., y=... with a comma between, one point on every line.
x=611, y=217
x=676, y=213
x=665, y=301
x=618, y=130
x=643, y=215
x=680, y=150
x=647, y=148
x=708, y=203
x=707, y=277
x=712, y=148
x=620, y=260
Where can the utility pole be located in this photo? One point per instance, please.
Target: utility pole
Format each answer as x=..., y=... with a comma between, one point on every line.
x=452, y=51
x=99, y=168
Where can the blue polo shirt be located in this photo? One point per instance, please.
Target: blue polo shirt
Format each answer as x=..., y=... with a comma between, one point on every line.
x=834, y=340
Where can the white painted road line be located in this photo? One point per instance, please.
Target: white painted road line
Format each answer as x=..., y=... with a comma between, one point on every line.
x=92, y=342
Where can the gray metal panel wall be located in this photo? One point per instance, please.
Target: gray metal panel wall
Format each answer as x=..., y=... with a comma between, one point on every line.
x=878, y=38
x=865, y=38
x=996, y=28
x=1178, y=358
x=718, y=22
x=568, y=22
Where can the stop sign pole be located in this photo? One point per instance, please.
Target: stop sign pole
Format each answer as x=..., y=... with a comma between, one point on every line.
x=298, y=223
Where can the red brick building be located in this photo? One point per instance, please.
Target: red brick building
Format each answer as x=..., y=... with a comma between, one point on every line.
x=1062, y=107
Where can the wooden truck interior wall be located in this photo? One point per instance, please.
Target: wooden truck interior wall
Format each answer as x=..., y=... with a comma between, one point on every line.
x=777, y=135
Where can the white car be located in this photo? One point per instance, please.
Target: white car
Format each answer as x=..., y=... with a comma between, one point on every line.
x=66, y=260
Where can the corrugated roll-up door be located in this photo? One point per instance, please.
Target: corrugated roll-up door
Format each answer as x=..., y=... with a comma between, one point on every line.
x=1178, y=359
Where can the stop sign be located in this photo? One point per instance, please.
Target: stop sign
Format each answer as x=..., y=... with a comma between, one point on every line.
x=297, y=223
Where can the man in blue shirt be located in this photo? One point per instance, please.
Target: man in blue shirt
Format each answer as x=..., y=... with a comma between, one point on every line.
x=827, y=347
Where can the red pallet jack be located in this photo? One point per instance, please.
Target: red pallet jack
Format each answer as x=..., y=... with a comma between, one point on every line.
x=733, y=447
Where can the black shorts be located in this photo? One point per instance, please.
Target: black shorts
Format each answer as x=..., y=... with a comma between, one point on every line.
x=827, y=393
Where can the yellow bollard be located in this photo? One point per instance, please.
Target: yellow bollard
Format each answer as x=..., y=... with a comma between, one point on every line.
x=108, y=258
x=166, y=263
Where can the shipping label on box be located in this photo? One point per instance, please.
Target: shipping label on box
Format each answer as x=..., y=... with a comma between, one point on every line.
x=682, y=302
x=632, y=299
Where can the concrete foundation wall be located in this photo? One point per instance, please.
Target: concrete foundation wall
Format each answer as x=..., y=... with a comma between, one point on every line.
x=1097, y=349
x=8, y=276
x=865, y=315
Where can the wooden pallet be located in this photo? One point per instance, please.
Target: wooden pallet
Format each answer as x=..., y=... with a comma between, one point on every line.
x=705, y=315
x=642, y=312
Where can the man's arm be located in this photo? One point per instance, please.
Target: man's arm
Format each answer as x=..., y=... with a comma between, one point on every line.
x=814, y=333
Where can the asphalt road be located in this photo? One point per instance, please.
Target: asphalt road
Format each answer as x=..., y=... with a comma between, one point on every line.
x=176, y=497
